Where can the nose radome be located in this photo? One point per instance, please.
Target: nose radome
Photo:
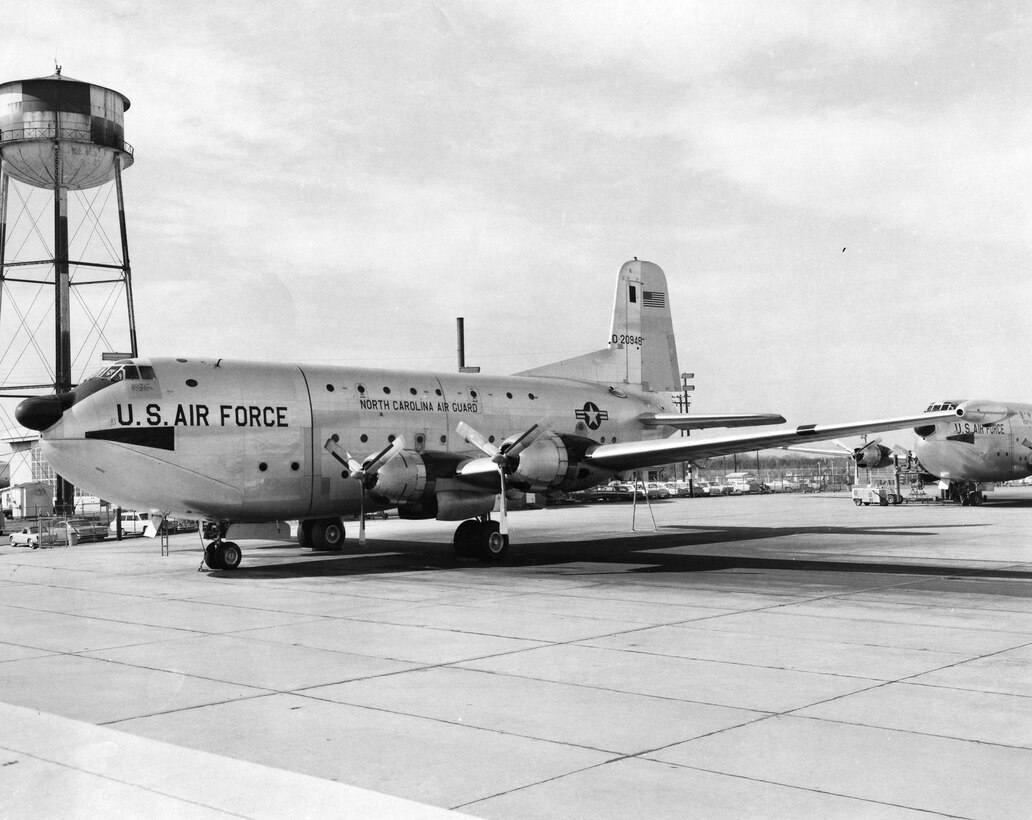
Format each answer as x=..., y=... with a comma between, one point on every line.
x=40, y=412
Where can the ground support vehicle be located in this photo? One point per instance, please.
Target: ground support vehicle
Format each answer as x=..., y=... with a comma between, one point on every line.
x=883, y=496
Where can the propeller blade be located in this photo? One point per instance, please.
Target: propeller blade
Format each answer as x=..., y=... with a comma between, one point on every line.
x=527, y=438
x=844, y=447
x=479, y=441
x=874, y=443
x=361, y=517
x=371, y=466
x=503, y=509
x=340, y=454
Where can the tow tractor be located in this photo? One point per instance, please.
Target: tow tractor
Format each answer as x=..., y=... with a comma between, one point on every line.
x=871, y=494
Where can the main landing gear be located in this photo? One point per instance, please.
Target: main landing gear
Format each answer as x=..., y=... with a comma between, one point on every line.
x=221, y=554
x=480, y=538
x=325, y=534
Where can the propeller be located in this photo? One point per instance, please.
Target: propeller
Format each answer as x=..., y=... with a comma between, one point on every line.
x=507, y=457
x=364, y=472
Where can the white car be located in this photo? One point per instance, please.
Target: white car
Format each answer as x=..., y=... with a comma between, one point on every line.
x=30, y=537
x=133, y=523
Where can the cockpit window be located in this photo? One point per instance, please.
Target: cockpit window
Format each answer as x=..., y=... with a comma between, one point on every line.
x=117, y=372
x=941, y=406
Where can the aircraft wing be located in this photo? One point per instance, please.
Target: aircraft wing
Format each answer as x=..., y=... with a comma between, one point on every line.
x=632, y=455
x=691, y=421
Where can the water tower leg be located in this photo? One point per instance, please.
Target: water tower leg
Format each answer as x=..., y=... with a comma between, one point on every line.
x=126, y=270
x=65, y=493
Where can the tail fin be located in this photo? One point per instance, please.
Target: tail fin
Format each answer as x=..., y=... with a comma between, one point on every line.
x=641, y=348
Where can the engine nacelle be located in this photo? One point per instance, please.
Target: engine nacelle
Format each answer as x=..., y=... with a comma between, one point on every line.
x=873, y=456
x=983, y=412
x=400, y=480
x=543, y=466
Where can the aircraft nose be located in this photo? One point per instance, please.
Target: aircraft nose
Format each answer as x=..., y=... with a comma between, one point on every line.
x=40, y=412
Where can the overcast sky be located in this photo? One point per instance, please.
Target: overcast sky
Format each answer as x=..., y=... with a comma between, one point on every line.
x=839, y=192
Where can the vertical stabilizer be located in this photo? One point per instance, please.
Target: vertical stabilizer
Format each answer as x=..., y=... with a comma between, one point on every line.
x=643, y=329
x=641, y=348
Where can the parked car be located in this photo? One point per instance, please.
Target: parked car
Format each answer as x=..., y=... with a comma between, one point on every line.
x=87, y=529
x=680, y=488
x=656, y=490
x=783, y=485
x=719, y=489
x=32, y=537
x=133, y=523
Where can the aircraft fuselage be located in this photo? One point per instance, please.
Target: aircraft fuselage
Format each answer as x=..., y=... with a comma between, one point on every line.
x=172, y=453
x=991, y=450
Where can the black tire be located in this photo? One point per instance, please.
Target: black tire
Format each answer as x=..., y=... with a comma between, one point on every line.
x=228, y=554
x=304, y=533
x=464, y=538
x=328, y=535
x=212, y=557
x=491, y=544
x=857, y=501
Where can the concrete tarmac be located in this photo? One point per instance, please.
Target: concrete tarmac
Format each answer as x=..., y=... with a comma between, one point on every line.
x=767, y=656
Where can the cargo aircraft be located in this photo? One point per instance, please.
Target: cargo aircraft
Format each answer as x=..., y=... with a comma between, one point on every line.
x=237, y=442
x=987, y=442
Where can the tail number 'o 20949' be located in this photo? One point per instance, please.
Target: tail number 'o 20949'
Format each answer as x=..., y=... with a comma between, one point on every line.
x=623, y=339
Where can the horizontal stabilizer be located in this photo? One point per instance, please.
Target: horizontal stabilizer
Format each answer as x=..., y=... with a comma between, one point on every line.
x=686, y=421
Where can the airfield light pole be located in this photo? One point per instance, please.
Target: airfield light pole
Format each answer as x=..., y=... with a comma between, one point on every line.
x=685, y=403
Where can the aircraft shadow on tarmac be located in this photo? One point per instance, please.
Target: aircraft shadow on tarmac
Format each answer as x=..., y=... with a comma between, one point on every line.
x=637, y=552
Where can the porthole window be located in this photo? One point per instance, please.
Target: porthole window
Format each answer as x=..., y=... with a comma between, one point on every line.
x=444, y=439
x=420, y=439
x=531, y=396
x=473, y=394
x=387, y=390
x=412, y=390
x=491, y=439
x=438, y=391
x=263, y=466
x=508, y=395
x=390, y=438
x=363, y=438
x=295, y=466
x=361, y=388
x=191, y=382
x=329, y=387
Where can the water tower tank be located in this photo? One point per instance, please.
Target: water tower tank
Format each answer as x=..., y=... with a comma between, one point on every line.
x=84, y=121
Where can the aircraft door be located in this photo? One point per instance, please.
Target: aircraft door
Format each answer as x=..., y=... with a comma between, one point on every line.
x=277, y=459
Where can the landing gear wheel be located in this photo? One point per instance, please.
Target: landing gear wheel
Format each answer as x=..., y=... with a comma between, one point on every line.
x=328, y=535
x=212, y=556
x=491, y=544
x=463, y=540
x=228, y=555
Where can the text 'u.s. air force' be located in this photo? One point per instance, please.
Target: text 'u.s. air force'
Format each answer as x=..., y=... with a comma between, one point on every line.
x=201, y=415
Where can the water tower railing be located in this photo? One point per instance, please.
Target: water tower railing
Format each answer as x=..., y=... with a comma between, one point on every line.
x=49, y=132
